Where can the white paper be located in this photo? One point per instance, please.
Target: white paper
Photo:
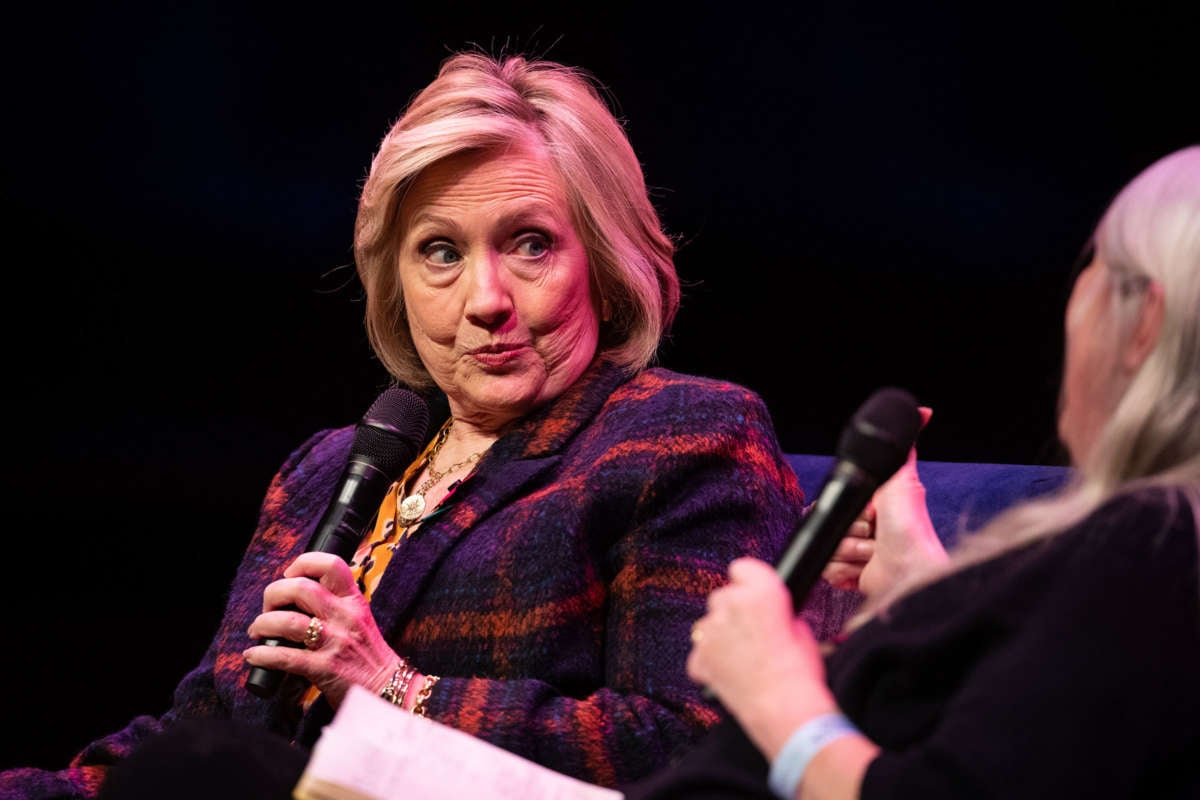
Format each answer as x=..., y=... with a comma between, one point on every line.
x=373, y=750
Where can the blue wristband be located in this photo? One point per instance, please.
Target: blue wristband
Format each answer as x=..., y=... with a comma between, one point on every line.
x=788, y=767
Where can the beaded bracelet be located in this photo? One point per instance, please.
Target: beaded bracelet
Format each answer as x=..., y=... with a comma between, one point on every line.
x=389, y=689
x=397, y=687
x=420, y=708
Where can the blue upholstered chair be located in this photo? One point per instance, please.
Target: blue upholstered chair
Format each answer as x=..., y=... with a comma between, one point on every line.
x=960, y=496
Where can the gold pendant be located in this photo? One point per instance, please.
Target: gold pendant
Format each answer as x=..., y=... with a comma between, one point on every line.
x=411, y=509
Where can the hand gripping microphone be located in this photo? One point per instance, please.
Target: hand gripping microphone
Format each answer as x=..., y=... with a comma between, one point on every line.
x=873, y=445
x=386, y=440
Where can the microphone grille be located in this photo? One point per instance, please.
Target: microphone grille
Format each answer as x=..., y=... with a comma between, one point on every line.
x=393, y=430
x=880, y=434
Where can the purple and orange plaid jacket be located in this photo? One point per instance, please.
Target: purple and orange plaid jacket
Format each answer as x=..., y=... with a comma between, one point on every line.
x=554, y=597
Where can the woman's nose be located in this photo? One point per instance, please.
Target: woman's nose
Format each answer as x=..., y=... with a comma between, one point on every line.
x=489, y=300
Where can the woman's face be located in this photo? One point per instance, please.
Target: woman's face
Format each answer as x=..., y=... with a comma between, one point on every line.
x=1089, y=391
x=496, y=283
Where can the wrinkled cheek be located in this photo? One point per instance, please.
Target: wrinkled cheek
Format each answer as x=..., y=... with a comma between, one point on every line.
x=572, y=342
x=434, y=326
x=433, y=346
x=419, y=336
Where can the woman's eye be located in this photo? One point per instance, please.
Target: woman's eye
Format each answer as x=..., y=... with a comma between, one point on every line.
x=533, y=246
x=440, y=253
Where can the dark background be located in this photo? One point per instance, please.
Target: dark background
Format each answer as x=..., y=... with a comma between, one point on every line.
x=865, y=194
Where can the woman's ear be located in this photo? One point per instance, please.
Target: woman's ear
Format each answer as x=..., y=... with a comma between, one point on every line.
x=1146, y=329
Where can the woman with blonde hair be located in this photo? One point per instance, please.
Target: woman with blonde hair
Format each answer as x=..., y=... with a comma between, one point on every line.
x=531, y=573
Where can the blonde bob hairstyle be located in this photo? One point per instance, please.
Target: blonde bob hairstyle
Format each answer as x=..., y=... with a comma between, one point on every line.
x=1149, y=234
x=479, y=102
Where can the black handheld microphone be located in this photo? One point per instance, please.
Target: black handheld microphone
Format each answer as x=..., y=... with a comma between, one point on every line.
x=872, y=446
x=386, y=439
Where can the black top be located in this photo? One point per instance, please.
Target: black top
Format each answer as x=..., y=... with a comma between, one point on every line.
x=1067, y=668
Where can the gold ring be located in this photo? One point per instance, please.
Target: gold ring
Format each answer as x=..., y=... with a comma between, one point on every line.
x=312, y=636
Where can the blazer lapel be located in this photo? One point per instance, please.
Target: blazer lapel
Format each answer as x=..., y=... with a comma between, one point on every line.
x=521, y=457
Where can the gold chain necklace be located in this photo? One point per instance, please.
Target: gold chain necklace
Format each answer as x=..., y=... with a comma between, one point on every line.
x=411, y=508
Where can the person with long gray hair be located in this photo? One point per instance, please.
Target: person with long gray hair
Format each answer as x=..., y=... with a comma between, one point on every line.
x=1052, y=653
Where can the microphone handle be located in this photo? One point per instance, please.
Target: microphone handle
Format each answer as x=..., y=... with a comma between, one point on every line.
x=265, y=682
x=845, y=494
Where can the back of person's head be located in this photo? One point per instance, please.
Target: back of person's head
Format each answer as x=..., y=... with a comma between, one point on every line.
x=202, y=758
x=1151, y=233
x=477, y=103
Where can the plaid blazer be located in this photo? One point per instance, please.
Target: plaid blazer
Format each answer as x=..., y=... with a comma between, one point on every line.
x=554, y=597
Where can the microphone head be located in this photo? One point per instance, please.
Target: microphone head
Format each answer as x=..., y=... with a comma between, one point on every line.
x=880, y=434
x=392, y=430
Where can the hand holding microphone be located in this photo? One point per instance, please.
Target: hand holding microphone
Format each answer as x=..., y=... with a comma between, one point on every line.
x=872, y=447
x=386, y=440
x=891, y=537
x=905, y=542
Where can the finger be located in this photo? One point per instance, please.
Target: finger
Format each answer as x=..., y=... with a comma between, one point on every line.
x=329, y=570
x=695, y=664
x=281, y=624
x=911, y=462
x=860, y=529
x=304, y=593
x=694, y=670
x=854, y=551
x=746, y=568
x=295, y=660
x=311, y=565
x=842, y=576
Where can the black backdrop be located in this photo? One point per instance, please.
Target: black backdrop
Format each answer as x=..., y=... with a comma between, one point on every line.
x=865, y=194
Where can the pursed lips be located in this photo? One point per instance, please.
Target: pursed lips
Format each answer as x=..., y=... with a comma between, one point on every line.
x=495, y=354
